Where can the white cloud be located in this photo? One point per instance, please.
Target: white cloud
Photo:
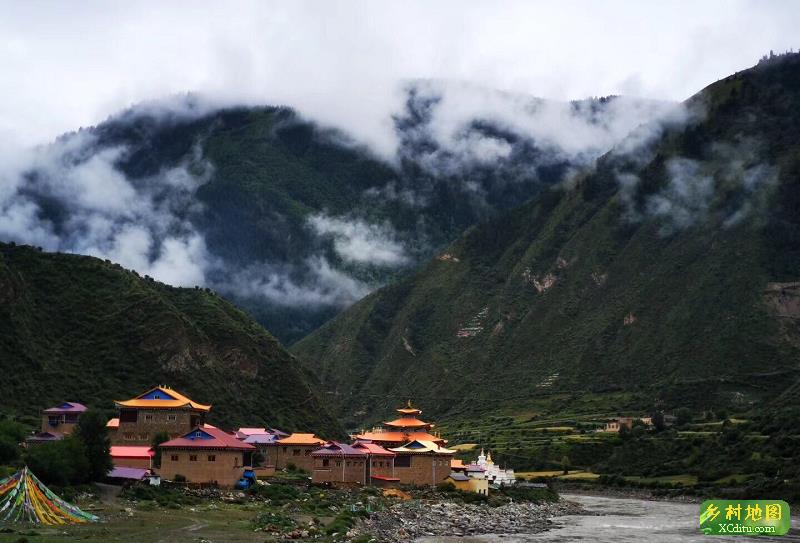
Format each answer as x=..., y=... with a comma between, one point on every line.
x=71, y=197
x=357, y=241
x=314, y=283
x=70, y=65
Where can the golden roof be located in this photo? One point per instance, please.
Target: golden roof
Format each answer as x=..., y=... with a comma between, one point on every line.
x=302, y=439
x=173, y=400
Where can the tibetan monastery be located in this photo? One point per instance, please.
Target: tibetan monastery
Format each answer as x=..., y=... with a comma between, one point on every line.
x=160, y=409
x=407, y=427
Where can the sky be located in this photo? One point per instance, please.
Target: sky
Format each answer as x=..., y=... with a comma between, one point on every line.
x=72, y=64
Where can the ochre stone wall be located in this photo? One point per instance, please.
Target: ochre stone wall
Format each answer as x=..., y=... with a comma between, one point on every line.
x=143, y=463
x=339, y=470
x=62, y=427
x=299, y=455
x=382, y=466
x=176, y=422
x=194, y=464
x=425, y=469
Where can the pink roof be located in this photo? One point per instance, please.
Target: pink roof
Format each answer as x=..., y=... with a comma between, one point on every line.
x=373, y=448
x=66, y=407
x=207, y=437
x=123, y=451
x=113, y=423
x=251, y=431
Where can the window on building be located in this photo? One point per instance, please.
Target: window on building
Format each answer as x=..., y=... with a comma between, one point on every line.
x=295, y=452
x=172, y=418
x=402, y=461
x=174, y=457
x=325, y=462
x=338, y=463
x=129, y=436
x=285, y=449
x=235, y=461
x=143, y=437
x=128, y=415
x=192, y=458
x=347, y=463
x=212, y=457
x=374, y=464
x=148, y=417
x=308, y=452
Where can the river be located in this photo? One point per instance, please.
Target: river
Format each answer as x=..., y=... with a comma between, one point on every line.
x=624, y=520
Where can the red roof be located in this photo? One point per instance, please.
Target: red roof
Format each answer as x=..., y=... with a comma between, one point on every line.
x=123, y=451
x=384, y=478
x=207, y=437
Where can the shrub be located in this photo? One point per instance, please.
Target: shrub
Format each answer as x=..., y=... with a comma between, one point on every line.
x=61, y=463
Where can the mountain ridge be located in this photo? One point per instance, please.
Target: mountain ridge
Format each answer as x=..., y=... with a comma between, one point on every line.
x=642, y=282
x=81, y=329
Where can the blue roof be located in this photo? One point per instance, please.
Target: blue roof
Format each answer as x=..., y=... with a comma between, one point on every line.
x=458, y=476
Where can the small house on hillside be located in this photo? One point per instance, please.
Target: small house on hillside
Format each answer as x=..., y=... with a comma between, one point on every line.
x=206, y=455
x=616, y=424
x=296, y=449
x=63, y=418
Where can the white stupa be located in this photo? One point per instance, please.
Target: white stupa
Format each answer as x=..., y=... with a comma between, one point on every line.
x=491, y=471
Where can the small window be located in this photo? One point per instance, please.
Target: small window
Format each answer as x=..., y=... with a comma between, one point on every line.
x=338, y=463
x=148, y=417
x=192, y=458
x=308, y=452
x=374, y=464
x=295, y=452
x=172, y=418
x=235, y=461
x=129, y=436
x=174, y=457
x=325, y=462
x=212, y=457
x=143, y=437
x=347, y=463
x=285, y=449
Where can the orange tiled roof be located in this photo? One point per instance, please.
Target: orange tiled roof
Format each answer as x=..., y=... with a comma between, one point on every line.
x=455, y=463
x=302, y=439
x=409, y=410
x=398, y=437
x=407, y=422
x=178, y=401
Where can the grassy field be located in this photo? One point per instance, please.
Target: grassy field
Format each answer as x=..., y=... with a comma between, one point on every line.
x=229, y=523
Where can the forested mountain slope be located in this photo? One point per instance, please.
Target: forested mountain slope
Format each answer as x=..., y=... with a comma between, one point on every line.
x=76, y=328
x=665, y=275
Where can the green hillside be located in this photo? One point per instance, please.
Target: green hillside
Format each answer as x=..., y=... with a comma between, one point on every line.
x=81, y=329
x=663, y=276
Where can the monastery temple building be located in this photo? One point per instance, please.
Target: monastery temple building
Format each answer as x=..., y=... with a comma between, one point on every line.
x=404, y=451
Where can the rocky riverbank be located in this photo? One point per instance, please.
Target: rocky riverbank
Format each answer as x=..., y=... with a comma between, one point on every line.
x=407, y=521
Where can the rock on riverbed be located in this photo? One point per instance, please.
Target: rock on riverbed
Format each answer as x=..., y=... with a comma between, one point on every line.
x=406, y=521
